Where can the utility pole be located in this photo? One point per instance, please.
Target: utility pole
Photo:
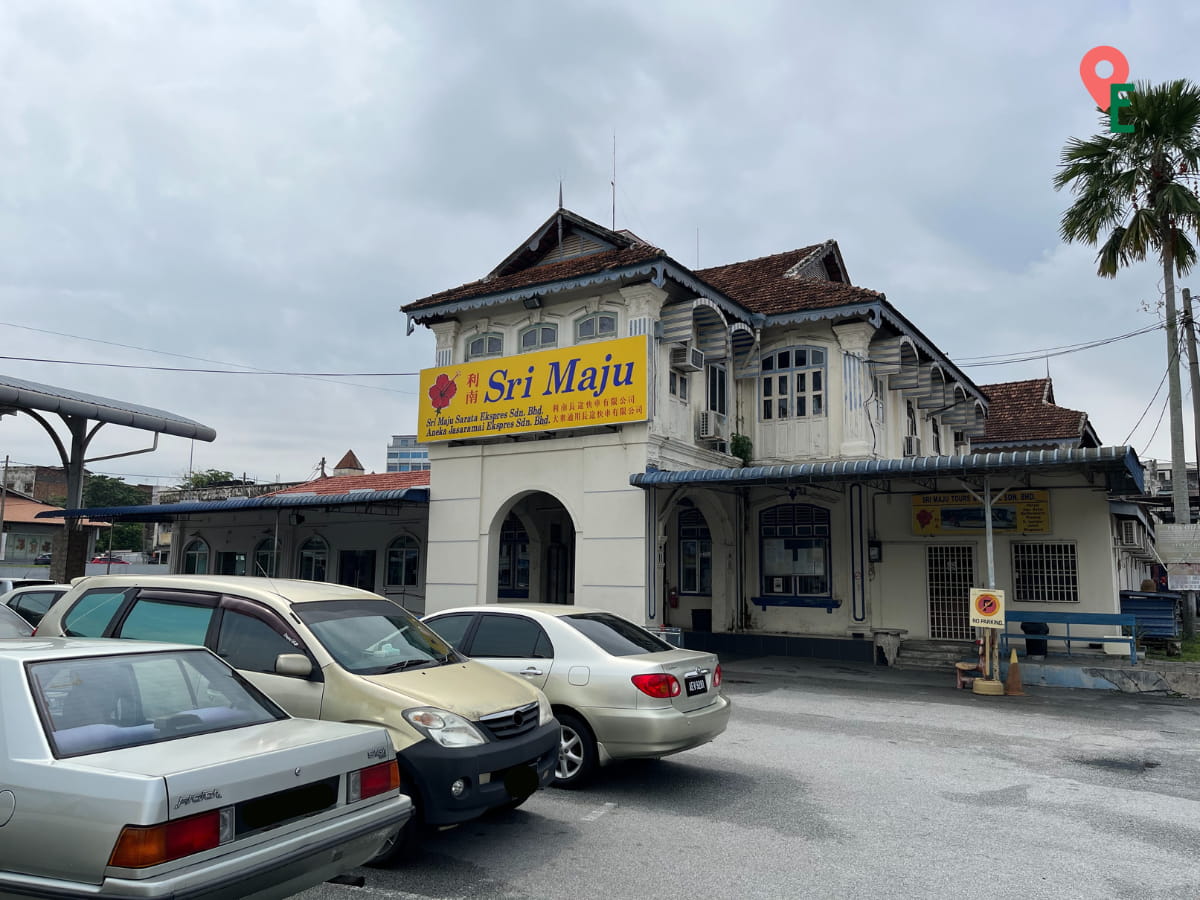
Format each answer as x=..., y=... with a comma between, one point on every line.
x=1189, y=325
x=1180, y=496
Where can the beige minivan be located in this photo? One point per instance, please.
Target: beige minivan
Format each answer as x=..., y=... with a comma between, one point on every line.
x=468, y=737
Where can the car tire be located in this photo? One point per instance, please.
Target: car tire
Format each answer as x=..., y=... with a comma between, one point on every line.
x=577, y=753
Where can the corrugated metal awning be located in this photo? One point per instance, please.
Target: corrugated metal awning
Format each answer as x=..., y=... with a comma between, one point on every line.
x=167, y=512
x=1119, y=464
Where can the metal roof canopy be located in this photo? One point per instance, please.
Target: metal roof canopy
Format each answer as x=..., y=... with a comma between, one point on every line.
x=168, y=512
x=1119, y=464
x=77, y=411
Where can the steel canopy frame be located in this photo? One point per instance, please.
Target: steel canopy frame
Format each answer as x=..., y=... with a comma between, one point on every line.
x=84, y=415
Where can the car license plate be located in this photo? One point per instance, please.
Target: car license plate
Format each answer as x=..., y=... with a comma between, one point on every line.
x=695, y=685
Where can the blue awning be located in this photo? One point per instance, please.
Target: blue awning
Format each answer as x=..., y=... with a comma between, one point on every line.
x=1119, y=465
x=167, y=512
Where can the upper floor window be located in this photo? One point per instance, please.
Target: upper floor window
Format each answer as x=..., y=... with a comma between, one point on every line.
x=911, y=413
x=677, y=384
x=485, y=345
x=793, y=384
x=538, y=337
x=936, y=427
x=717, y=381
x=597, y=325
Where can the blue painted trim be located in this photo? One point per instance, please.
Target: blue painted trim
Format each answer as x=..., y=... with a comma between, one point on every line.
x=1121, y=462
x=826, y=603
x=166, y=512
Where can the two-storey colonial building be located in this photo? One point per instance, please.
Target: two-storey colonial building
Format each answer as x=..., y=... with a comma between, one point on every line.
x=760, y=449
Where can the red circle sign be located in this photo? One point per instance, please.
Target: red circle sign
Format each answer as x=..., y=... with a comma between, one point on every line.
x=987, y=604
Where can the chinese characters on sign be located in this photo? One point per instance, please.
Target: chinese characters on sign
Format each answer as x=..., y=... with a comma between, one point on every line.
x=1024, y=512
x=600, y=383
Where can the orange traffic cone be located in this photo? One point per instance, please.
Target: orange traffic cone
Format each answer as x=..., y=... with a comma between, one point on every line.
x=1012, y=684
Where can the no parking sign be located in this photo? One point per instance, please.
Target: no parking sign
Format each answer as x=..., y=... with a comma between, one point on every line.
x=987, y=608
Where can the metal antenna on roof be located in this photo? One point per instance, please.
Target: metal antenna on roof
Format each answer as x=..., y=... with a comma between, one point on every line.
x=614, y=183
x=697, y=246
x=560, y=207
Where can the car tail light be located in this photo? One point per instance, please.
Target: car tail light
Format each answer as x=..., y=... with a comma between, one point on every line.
x=139, y=847
x=372, y=781
x=658, y=685
x=717, y=676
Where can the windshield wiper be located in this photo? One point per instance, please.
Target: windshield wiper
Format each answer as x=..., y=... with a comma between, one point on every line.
x=407, y=663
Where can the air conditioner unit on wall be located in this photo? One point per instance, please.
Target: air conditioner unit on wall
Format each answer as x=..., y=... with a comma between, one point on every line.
x=912, y=445
x=712, y=425
x=687, y=359
x=1127, y=534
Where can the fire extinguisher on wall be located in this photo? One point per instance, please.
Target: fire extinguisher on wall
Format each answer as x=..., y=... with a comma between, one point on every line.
x=673, y=598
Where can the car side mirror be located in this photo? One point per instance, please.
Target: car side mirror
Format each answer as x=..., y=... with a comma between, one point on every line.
x=296, y=665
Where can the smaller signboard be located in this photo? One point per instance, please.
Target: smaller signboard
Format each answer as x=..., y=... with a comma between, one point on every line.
x=1177, y=543
x=1023, y=511
x=1183, y=576
x=987, y=608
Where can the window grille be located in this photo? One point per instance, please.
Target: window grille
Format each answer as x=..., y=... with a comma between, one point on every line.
x=1045, y=572
x=950, y=569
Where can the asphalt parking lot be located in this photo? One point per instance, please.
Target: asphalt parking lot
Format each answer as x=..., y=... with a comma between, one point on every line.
x=839, y=780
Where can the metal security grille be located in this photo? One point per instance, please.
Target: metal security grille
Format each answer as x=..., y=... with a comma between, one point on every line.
x=951, y=575
x=1045, y=572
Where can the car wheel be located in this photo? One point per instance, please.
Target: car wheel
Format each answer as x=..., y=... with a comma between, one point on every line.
x=576, y=752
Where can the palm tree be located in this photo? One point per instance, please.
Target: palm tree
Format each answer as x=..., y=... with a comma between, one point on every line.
x=1138, y=192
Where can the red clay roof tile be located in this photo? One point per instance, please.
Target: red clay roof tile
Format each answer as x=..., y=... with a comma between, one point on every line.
x=1025, y=411
x=344, y=484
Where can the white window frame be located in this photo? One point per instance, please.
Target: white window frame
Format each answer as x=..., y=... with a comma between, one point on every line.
x=486, y=337
x=782, y=389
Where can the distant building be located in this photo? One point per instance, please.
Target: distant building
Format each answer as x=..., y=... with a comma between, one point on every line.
x=404, y=454
x=40, y=482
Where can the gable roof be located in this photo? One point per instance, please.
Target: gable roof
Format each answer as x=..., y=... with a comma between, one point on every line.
x=808, y=278
x=788, y=282
x=1025, y=411
x=349, y=461
x=345, y=484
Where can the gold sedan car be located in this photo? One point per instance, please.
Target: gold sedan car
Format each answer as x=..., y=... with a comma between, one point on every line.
x=618, y=690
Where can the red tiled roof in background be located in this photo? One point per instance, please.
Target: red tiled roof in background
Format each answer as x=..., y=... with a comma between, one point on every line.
x=22, y=510
x=344, y=484
x=1025, y=411
x=760, y=285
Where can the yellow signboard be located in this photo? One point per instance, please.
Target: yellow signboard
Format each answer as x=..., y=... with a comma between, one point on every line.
x=987, y=608
x=1025, y=512
x=599, y=383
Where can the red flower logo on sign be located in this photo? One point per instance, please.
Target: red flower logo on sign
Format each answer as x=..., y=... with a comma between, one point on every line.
x=442, y=391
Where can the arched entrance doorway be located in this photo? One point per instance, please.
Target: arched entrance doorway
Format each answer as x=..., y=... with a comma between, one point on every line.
x=534, y=551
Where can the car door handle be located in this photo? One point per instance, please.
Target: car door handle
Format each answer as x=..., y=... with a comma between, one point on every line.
x=531, y=671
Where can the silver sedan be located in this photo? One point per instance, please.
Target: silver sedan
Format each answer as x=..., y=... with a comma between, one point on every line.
x=143, y=770
x=618, y=690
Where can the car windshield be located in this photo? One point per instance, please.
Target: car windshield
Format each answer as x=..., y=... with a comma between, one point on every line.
x=370, y=637
x=97, y=703
x=616, y=636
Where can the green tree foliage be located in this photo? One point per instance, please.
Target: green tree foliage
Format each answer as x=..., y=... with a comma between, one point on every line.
x=1136, y=193
x=206, y=478
x=101, y=491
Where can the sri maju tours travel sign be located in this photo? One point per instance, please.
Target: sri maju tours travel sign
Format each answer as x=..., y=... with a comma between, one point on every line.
x=601, y=383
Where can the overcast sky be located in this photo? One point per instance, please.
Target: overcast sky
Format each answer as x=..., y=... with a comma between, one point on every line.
x=265, y=184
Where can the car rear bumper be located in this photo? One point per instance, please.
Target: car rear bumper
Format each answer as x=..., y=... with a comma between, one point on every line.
x=276, y=868
x=432, y=768
x=627, y=733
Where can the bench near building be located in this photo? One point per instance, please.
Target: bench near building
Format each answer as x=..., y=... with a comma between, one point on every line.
x=760, y=452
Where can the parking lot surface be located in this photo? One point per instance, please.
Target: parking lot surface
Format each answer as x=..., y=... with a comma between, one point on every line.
x=839, y=780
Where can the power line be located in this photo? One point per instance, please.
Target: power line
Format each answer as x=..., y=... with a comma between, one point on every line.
x=1032, y=355
x=104, y=365
x=1173, y=361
